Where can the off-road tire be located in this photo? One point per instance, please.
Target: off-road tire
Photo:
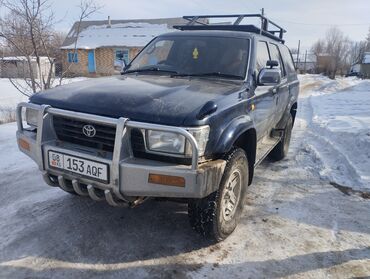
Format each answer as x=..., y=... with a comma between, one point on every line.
x=207, y=215
x=280, y=151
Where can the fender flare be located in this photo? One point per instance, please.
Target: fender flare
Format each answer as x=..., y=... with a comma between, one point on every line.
x=232, y=132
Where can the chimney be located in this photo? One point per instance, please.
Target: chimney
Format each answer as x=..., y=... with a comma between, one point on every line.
x=109, y=23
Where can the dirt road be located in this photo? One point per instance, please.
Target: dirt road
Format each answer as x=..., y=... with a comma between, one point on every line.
x=296, y=224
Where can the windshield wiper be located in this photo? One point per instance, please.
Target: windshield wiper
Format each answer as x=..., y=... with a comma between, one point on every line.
x=212, y=74
x=151, y=69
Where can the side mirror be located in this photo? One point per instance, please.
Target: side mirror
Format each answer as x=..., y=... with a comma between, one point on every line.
x=272, y=63
x=269, y=77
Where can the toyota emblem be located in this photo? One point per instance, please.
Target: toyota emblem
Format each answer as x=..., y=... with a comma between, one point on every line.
x=89, y=131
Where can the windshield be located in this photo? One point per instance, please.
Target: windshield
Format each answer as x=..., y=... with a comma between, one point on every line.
x=189, y=55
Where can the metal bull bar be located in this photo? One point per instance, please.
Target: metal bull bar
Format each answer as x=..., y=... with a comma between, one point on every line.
x=121, y=150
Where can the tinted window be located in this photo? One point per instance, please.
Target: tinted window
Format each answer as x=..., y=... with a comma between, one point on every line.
x=195, y=55
x=288, y=59
x=262, y=55
x=275, y=55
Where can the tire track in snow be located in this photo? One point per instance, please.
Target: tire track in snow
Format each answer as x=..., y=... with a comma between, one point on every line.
x=317, y=142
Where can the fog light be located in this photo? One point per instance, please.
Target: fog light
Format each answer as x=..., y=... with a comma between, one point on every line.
x=168, y=180
x=24, y=144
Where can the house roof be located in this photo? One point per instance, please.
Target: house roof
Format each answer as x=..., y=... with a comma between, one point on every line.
x=22, y=58
x=129, y=33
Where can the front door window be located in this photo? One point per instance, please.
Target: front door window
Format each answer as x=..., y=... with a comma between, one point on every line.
x=120, y=56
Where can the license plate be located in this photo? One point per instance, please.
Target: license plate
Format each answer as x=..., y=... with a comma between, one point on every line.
x=84, y=167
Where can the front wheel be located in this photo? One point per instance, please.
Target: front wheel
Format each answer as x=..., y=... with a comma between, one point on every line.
x=216, y=216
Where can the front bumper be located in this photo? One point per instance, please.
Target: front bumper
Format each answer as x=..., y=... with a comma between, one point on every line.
x=128, y=175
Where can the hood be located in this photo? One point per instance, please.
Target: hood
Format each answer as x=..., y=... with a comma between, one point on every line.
x=147, y=98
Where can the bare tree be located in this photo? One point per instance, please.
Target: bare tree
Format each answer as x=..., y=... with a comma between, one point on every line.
x=368, y=41
x=338, y=46
x=28, y=30
x=357, y=52
x=318, y=50
x=25, y=28
x=333, y=52
x=87, y=8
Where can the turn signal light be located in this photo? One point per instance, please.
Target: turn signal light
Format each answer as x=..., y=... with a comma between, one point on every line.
x=24, y=144
x=168, y=180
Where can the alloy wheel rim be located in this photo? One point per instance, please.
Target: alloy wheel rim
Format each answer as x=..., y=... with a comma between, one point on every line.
x=231, y=195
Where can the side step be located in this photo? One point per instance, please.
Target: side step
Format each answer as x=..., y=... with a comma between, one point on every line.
x=264, y=146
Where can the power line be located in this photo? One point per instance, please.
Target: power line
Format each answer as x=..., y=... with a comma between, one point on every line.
x=321, y=24
x=254, y=4
x=309, y=24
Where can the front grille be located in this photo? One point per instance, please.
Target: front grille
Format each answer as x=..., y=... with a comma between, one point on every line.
x=70, y=130
x=137, y=143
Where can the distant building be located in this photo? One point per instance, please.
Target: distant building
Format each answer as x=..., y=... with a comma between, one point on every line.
x=103, y=45
x=306, y=63
x=18, y=67
x=365, y=66
x=324, y=62
x=355, y=69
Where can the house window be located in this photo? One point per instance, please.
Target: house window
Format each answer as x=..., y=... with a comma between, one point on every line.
x=121, y=55
x=72, y=57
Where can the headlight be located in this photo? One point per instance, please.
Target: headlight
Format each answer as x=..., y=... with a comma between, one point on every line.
x=165, y=142
x=32, y=117
x=201, y=136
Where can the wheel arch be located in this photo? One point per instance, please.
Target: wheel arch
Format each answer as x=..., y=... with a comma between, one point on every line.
x=293, y=110
x=240, y=133
x=248, y=142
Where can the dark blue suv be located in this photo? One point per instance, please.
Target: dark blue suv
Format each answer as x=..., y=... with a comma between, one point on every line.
x=189, y=119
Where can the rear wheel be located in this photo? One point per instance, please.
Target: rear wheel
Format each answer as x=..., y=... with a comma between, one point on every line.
x=217, y=215
x=281, y=149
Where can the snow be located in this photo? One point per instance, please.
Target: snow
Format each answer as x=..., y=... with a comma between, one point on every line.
x=22, y=58
x=295, y=224
x=122, y=34
x=340, y=128
x=10, y=96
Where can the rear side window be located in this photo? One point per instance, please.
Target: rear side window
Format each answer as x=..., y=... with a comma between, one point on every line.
x=262, y=55
x=275, y=55
x=288, y=59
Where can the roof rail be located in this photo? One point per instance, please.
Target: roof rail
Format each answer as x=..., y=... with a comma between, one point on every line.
x=201, y=22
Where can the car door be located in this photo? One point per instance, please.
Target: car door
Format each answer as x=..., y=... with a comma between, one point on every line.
x=283, y=88
x=291, y=72
x=264, y=96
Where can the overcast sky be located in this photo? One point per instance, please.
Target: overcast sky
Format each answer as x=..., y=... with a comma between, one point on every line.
x=305, y=20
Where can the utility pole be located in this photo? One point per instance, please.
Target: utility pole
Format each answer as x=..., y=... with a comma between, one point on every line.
x=305, y=61
x=299, y=46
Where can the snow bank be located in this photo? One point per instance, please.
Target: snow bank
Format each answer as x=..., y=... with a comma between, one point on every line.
x=319, y=84
x=10, y=96
x=341, y=127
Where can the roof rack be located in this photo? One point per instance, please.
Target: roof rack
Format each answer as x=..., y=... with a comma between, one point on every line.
x=201, y=22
